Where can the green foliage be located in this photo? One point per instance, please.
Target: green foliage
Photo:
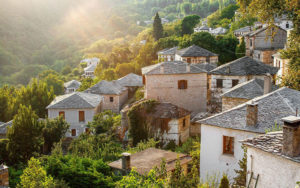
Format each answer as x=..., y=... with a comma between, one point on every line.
x=105, y=121
x=24, y=136
x=292, y=80
x=3, y=150
x=157, y=28
x=139, y=94
x=34, y=176
x=188, y=23
x=52, y=79
x=151, y=143
x=274, y=128
x=15, y=174
x=85, y=84
x=240, y=179
x=224, y=182
x=240, y=50
x=138, y=123
x=177, y=178
x=79, y=172
x=53, y=131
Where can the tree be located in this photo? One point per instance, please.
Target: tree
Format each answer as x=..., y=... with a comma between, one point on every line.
x=34, y=176
x=85, y=84
x=188, y=23
x=54, y=81
x=240, y=179
x=53, y=131
x=157, y=27
x=24, y=136
x=224, y=182
x=105, y=121
x=177, y=178
x=240, y=50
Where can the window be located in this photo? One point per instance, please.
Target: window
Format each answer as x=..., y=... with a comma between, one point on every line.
x=73, y=132
x=182, y=84
x=287, y=25
x=189, y=60
x=235, y=82
x=61, y=113
x=144, y=80
x=111, y=99
x=228, y=145
x=219, y=83
x=207, y=59
x=183, y=123
x=258, y=56
x=250, y=42
x=81, y=116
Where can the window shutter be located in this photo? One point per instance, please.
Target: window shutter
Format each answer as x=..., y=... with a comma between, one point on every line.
x=81, y=116
x=185, y=84
x=224, y=144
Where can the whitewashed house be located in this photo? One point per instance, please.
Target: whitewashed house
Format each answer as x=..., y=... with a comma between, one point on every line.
x=218, y=31
x=91, y=66
x=282, y=65
x=77, y=108
x=221, y=133
x=275, y=153
x=71, y=86
x=114, y=95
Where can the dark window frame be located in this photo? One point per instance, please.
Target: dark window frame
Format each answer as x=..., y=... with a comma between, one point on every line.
x=111, y=99
x=235, y=82
x=219, y=83
x=228, y=145
x=182, y=84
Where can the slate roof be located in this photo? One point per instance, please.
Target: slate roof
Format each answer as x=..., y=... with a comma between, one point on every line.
x=204, y=27
x=243, y=29
x=167, y=110
x=244, y=66
x=206, y=66
x=271, y=143
x=168, y=51
x=195, y=51
x=173, y=67
x=219, y=30
x=91, y=60
x=3, y=127
x=248, y=90
x=76, y=100
x=106, y=88
x=131, y=80
x=147, y=159
x=72, y=84
x=90, y=68
x=253, y=33
x=272, y=108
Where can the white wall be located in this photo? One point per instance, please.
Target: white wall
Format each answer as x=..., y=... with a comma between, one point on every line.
x=273, y=170
x=212, y=159
x=72, y=117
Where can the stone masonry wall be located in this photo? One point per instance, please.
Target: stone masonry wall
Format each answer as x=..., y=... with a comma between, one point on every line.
x=228, y=102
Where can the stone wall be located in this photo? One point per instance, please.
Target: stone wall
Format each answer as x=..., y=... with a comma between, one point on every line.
x=4, y=177
x=118, y=102
x=273, y=170
x=212, y=59
x=165, y=88
x=228, y=102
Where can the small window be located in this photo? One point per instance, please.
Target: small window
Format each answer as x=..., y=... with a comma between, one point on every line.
x=183, y=123
x=189, y=60
x=61, y=113
x=182, y=84
x=81, y=116
x=228, y=145
x=111, y=99
x=73, y=132
x=250, y=42
x=219, y=83
x=258, y=56
x=287, y=25
x=235, y=82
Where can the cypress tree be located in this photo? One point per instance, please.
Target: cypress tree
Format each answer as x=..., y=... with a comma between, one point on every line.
x=157, y=27
x=224, y=182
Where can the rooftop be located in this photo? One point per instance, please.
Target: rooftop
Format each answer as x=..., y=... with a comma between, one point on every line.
x=272, y=108
x=195, y=51
x=253, y=33
x=91, y=68
x=173, y=67
x=131, y=80
x=147, y=159
x=244, y=66
x=168, y=51
x=271, y=143
x=72, y=84
x=106, y=88
x=243, y=29
x=219, y=30
x=76, y=100
x=248, y=90
x=168, y=111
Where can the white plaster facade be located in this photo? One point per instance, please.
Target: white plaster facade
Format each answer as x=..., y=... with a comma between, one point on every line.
x=117, y=103
x=163, y=58
x=273, y=170
x=282, y=65
x=164, y=88
x=212, y=159
x=72, y=117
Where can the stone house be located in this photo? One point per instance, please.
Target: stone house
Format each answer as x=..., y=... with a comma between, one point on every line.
x=168, y=122
x=195, y=54
x=132, y=82
x=77, y=108
x=203, y=28
x=226, y=76
x=261, y=46
x=282, y=65
x=148, y=159
x=180, y=83
x=246, y=91
x=275, y=153
x=221, y=133
x=167, y=54
x=4, y=176
x=90, y=68
x=218, y=31
x=114, y=95
x=241, y=32
x=71, y=86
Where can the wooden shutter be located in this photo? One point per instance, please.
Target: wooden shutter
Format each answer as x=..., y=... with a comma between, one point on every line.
x=144, y=80
x=61, y=113
x=231, y=145
x=224, y=144
x=73, y=132
x=185, y=84
x=81, y=116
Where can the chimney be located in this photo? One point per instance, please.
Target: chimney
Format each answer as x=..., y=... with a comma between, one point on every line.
x=267, y=84
x=252, y=113
x=291, y=136
x=188, y=67
x=126, y=161
x=162, y=69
